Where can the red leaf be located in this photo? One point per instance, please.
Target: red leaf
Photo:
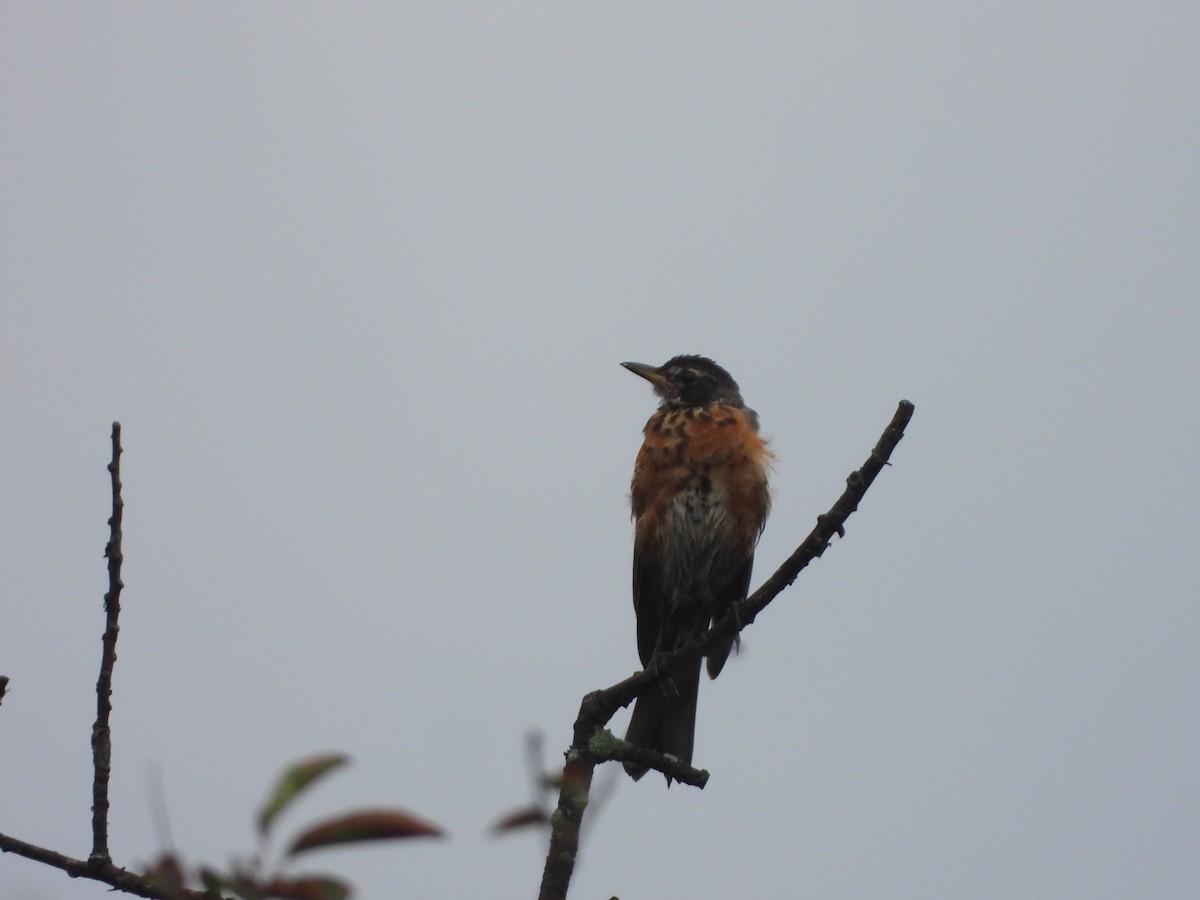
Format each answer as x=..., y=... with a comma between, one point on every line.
x=368, y=825
x=167, y=874
x=521, y=818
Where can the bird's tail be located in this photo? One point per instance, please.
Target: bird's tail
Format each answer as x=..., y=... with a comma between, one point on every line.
x=664, y=719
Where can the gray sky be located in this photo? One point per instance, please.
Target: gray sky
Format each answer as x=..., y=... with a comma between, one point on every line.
x=357, y=280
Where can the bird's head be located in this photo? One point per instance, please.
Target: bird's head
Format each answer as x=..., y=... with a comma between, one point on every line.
x=689, y=381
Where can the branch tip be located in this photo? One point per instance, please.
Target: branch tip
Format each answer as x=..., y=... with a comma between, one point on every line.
x=101, y=733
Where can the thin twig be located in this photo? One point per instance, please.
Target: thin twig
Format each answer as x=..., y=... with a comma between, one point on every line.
x=98, y=866
x=101, y=734
x=598, y=707
x=100, y=870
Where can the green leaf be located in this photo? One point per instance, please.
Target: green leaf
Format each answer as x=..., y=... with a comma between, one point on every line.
x=293, y=782
x=235, y=883
x=368, y=825
x=310, y=887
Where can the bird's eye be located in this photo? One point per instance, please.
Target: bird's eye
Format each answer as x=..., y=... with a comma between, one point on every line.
x=688, y=376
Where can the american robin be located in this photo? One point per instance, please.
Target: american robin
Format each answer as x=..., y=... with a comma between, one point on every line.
x=700, y=502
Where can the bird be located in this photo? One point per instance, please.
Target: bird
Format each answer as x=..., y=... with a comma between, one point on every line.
x=700, y=501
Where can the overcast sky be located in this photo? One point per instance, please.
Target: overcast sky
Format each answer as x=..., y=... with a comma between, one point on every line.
x=357, y=278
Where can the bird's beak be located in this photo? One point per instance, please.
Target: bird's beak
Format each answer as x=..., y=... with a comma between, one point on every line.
x=650, y=373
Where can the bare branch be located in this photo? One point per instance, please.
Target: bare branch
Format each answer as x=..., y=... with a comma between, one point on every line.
x=101, y=734
x=605, y=746
x=599, y=706
x=98, y=866
x=101, y=870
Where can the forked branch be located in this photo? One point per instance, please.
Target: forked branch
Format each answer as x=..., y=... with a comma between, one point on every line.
x=98, y=866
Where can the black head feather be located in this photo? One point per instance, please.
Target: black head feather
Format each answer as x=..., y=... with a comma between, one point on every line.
x=689, y=380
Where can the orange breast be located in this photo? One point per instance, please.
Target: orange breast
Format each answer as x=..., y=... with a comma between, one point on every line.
x=715, y=450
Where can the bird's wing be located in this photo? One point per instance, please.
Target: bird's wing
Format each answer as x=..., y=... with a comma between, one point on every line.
x=647, y=605
x=734, y=591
